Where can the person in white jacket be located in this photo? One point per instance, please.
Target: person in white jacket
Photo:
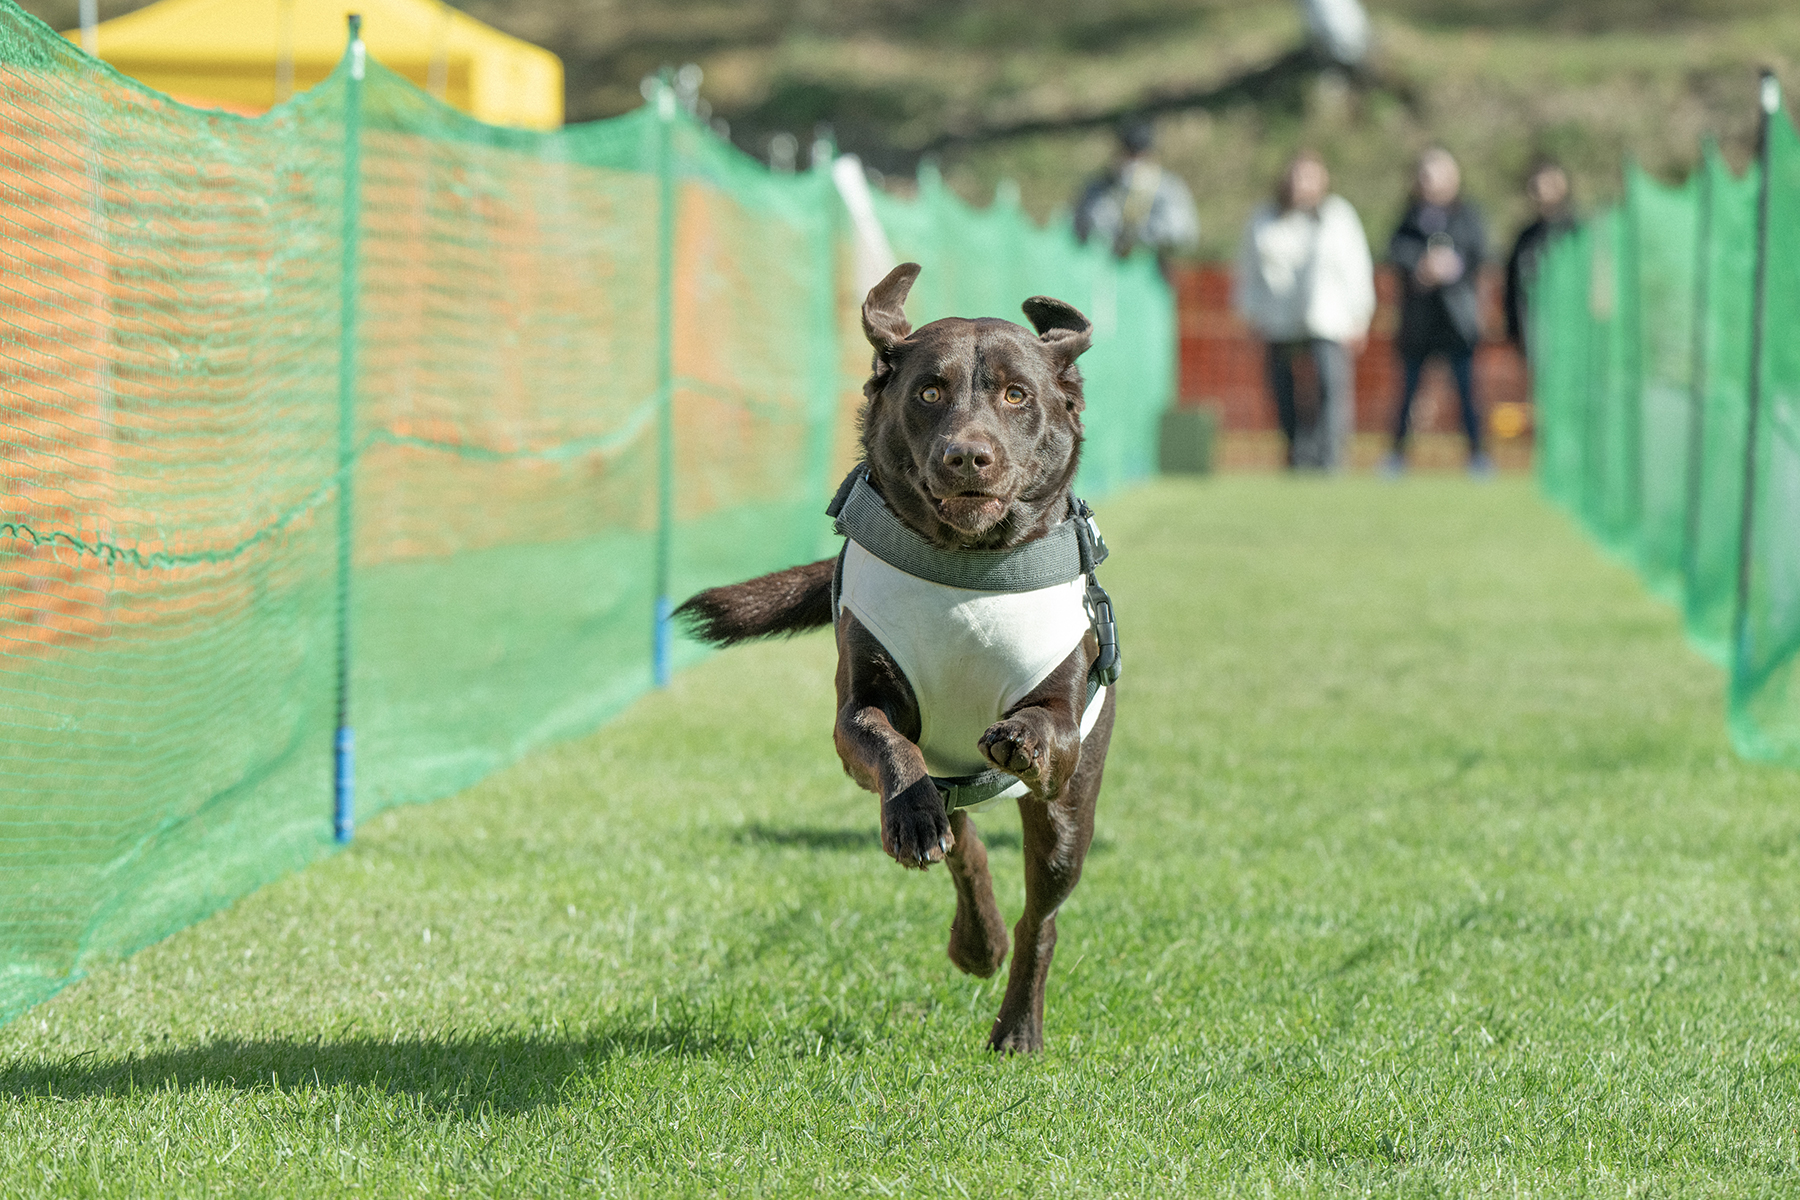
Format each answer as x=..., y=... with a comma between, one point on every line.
x=1306, y=282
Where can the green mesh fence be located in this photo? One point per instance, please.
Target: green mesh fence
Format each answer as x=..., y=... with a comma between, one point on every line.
x=1610, y=501
x=1561, y=326
x=364, y=382
x=1666, y=429
x=1765, y=695
x=1727, y=253
x=1587, y=379
x=1663, y=224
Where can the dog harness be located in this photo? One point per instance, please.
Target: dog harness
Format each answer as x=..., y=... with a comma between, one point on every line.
x=974, y=631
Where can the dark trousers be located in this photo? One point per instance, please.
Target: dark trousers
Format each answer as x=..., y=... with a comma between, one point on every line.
x=1316, y=403
x=1462, y=366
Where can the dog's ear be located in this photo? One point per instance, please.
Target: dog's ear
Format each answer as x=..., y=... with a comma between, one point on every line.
x=884, y=314
x=1061, y=328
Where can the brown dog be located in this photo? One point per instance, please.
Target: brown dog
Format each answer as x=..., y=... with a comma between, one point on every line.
x=971, y=438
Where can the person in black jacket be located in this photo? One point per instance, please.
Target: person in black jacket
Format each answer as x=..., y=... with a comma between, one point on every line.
x=1548, y=189
x=1439, y=248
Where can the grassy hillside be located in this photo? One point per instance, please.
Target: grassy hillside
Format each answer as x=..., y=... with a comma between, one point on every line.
x=1593, y=81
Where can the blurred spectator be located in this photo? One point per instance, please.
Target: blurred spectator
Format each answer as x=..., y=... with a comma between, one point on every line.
x=1136, y=202
x=1438, y=249
x=1306, y=283
x=1547, y=187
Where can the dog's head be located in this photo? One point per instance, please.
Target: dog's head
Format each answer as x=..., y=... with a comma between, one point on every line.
x=972, y=429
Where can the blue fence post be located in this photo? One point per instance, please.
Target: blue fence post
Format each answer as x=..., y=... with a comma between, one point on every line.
x=343, y=820
x=661, y=645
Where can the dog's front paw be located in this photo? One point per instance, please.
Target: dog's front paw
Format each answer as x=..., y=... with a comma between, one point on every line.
x=1015, y=748
x=915, y=829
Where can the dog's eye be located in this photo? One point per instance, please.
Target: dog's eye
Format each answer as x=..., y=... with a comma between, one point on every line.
x=1015, y=394
x=931, y=395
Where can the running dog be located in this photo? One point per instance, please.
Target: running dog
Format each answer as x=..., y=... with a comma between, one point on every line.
x=976, y=649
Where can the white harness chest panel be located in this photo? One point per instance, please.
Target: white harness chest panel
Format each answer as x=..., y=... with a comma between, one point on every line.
x=969, y=655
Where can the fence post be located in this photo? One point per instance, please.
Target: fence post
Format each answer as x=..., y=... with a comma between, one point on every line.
x=1628, y=312
x=1697, y=376
x=665, y=374
x=1770, y=95
x=1602, y=288
x=825, y=361
x=344, y=773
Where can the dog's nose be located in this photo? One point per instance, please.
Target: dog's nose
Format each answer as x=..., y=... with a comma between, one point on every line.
x=970, y=455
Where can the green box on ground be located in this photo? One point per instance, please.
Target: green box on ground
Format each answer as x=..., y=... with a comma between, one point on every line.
x=1185, y=446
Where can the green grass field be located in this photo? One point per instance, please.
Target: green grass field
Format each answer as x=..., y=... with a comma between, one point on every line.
x=1423, y=868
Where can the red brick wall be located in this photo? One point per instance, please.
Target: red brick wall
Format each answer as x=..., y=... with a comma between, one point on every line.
x=1221, y=359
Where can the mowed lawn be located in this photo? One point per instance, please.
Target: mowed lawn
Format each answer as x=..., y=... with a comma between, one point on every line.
x=1423, y=868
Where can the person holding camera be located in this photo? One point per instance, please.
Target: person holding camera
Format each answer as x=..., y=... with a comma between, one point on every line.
x=1438, y=250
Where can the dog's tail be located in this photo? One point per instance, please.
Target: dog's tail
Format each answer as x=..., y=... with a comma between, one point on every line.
x=778, y=605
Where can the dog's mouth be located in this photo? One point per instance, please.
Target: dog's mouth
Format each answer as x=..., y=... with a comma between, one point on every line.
x=971, y=512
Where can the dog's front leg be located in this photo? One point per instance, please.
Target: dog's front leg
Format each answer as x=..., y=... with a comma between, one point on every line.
x=1057, y=836
x=1039, y=738
x=914, y=827
x=876, y=731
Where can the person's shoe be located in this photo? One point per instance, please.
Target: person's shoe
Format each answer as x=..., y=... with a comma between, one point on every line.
x=1481, y=466
x=1393, y=466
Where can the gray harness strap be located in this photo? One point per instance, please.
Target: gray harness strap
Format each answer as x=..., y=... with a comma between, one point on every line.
x=1071, y=549
x=1045, y=562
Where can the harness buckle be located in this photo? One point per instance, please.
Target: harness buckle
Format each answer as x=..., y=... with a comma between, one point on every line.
x=1088, y=542
x=1095, y=541
x=1106, y=632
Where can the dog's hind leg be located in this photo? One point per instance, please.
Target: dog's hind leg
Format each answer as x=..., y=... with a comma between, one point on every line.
x=978, y=933
x=1057, y=835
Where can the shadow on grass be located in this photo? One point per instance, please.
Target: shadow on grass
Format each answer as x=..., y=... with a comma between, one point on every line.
x=450, y=1072
x=813, y=837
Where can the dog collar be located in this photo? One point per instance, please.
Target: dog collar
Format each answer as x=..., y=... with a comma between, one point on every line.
x=861, y=514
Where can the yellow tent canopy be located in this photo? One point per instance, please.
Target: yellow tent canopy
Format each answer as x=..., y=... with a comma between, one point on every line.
x=247, y=55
